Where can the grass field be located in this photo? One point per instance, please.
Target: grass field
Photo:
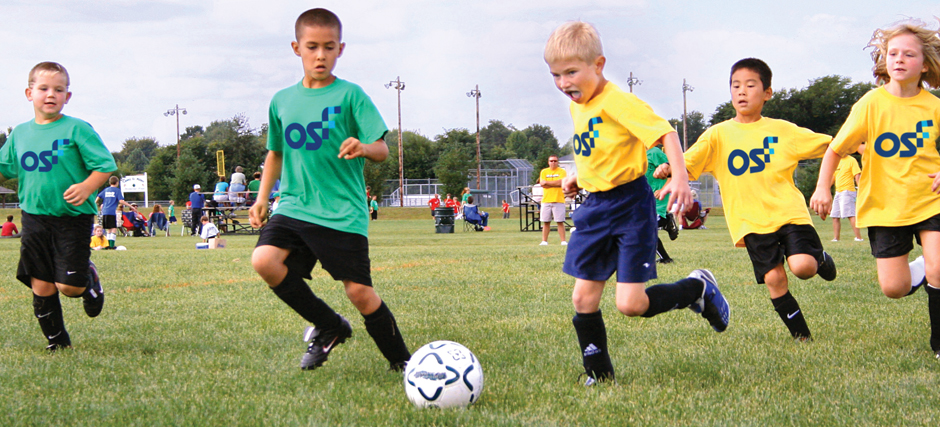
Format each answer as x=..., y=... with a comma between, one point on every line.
x=193, y=337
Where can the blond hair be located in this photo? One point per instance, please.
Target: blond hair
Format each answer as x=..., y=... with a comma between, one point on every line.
x=573, y=40
x=47, y=67
x=929, y=40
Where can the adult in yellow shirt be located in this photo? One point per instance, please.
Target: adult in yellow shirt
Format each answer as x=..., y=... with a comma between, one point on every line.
x=553, y=200
x=843, y=204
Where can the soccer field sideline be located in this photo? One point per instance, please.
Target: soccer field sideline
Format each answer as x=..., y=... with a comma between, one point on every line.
x=193, y=337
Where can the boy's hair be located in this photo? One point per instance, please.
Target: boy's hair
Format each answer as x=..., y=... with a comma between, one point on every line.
x=470, y=200
x=256, y=175
x=318, y=18
x=573, y=40
x=757, y=66
x=10, y=218
x=929, y=39
x=113, y=180
x=204, y=218
x=48, y=67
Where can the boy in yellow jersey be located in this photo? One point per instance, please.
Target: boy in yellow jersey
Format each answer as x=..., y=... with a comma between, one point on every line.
x=617, y=222
x=843, y=204
x=897, y=194
x=753, y=158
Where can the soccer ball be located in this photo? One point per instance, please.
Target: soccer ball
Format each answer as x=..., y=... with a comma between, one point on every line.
x=443, y=374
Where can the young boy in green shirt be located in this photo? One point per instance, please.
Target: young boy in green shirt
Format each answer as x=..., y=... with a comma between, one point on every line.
x=321, y=131
x=60, y=161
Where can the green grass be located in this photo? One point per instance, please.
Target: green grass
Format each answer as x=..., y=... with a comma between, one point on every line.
x=193, y=337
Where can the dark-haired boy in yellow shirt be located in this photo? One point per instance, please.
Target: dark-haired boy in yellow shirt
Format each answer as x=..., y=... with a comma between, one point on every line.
x=753, y=158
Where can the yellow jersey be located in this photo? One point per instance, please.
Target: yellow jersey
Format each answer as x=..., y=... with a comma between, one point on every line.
x=612, y=133
x=845, y=174
x=754, y=165
x=894, y=189
x=552, y=194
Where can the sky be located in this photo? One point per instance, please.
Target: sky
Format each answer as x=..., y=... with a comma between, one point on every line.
x=130, y=61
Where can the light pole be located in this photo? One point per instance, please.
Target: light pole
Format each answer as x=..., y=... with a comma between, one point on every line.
x=475, y=93
x=685, y=135
x=399, y=86
x=176, y=112
x=633, y=81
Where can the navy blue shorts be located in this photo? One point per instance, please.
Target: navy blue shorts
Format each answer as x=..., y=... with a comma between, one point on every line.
x=344, y=255
x=615, y=231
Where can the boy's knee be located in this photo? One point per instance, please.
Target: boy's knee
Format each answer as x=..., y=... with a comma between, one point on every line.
x=631, y=310
x=895, y=289
x=803, y=266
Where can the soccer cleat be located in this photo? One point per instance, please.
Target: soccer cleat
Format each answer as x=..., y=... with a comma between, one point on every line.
x=712, y=304
x=592, y=380
x=397, y=366
x=827, y=268
x=322, y=342
x=859, y=239
x=666, y=260
x=53, y=347
x=671, y=227
x=93, y=298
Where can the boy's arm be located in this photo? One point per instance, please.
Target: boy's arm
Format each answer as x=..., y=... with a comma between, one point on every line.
x=78, y=193
x=821, y=201
x=272, y=171
x=352, y=148
x=680, y=195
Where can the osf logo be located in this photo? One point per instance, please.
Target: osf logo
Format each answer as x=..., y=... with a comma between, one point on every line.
x=585, y=142
x=895, y=142
x=751, y=161
x=310, y=130
x=43, y=160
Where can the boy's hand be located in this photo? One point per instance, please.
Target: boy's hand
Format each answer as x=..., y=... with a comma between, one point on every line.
x=257, y=213
x=663, y=171
x=680, y=196
x=77, y=194
x=569, y=185
x=821, y=202
x=351, y=148
x=936, y=182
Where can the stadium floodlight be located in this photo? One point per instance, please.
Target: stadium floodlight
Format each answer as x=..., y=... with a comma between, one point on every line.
x=175, y=112
x=475, y=93
x=399, y=86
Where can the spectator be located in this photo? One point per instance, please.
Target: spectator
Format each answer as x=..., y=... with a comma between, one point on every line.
x=209, y=230
x=695, y=217
x=98, y=240
x=553, y=200
x=253, y=186
x=505, y=209
x=9, y=228
x=374, y=208
x=157, y=219
x=197, y=201
x=484, y=217
x=220, y=196
x=434, y=203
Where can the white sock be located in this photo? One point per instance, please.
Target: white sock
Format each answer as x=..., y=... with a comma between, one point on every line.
x=918, y=271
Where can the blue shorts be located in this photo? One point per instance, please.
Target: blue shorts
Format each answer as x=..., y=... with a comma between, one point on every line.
x=615, y=231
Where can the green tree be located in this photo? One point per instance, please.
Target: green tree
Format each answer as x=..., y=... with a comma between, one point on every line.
x=192, y=132
x=695, y=126
x=161, y=172
x=452, y=168
x=493, y=140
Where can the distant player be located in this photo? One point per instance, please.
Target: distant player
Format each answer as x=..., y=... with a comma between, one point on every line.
x=321, y=216
x=109, y=199
x=617, y=222
x=753, y=158
x=843, y=204
x=54, y=195
x=897, y=193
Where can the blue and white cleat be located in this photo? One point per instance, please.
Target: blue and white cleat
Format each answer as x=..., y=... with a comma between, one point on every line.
x=712, y=304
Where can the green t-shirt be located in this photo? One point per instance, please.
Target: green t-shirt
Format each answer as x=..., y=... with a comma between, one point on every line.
x=375, y=205
x=172, y=210
x=50, y=158
x=654, y=158
x=308, y=126
x=254, y=185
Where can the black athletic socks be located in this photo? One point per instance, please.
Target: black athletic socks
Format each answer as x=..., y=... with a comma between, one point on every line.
x=298, y=296
x=661, y=251
x=592, y=339
x=671, y=296
x=48, y=311
x=933, y=307
x=384, y=331
x=789, y=311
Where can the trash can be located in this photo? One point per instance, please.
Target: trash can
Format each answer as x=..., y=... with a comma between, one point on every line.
x=444, y=220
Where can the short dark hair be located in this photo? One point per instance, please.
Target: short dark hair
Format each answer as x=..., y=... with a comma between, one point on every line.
x=470, y=200
x=318, y=17
x=10, y=218
x=757, y=66
x=113, y=180
x=257, y=175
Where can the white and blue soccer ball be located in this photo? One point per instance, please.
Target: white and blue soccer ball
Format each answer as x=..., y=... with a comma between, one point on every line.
x=443, y=374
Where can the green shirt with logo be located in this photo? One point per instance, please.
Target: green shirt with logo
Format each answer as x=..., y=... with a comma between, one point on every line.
x=308, y=126
x=48, y=159
x=654, y=158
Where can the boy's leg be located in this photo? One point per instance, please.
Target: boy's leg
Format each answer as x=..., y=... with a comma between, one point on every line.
x=589, y=326
x=836, y=229
x=561, y=232
x=546, y=229
x=380, y=323
x=48, y=311
x=894, y=276
x=661, y=251
x=858, y=234
x=699, y=292
x=291, y=288
x=785, y=304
